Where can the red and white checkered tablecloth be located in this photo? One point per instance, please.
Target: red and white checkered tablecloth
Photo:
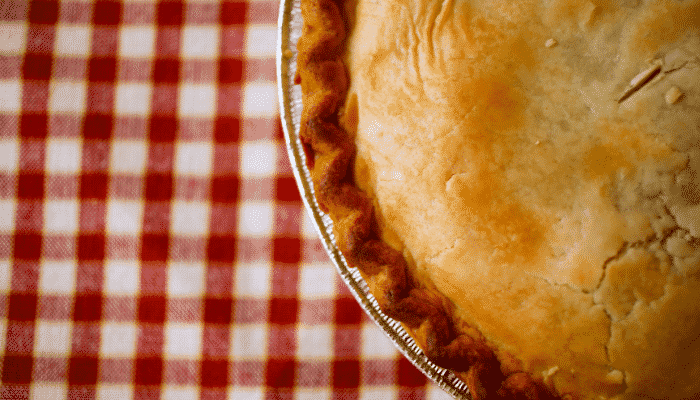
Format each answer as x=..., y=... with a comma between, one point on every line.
x=152, y=241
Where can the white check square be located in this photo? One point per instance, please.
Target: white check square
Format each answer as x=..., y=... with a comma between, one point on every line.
x=194, y=158
x=124, y=217
x=186, y=279
x=315, y=394
x=189, y=218
x=314, y=341
x=260, y=100
x=57, y=277
x=200, y=42
x=435, y=393
x=5, y=275
x=378, y=393
x=261, y=41
x=253, y=280
x=183, y=341
x=128, y=157
x=73, y=40
x=373, y=343
x=7, y=215
x=61, y=216
x=180, y=393
x=249, y=342
x=10, y=96
x=197, y=100
x=137, y=41
x=317, y=281
x=255, y=219
x=114, y=392
x=13, y=37
x=118, y=339
x=308, y=229
x=68, y=97
x=52, y=338
x=237, y=392
x=43, y=391
x=63, y=156
x=122, y=277
x=258, y=159
x=3, y=332
x=133, y=99
x=9, y=156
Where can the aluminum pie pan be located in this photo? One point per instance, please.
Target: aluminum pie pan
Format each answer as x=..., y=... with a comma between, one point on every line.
x=288, y=32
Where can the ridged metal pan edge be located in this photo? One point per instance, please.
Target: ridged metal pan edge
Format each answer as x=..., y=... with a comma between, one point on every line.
x=289, y=31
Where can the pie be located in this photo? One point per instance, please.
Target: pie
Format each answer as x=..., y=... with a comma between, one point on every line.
x=518, y=183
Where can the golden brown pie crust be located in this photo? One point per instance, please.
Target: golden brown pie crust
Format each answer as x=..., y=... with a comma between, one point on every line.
x=330, y=151
x=621, y=260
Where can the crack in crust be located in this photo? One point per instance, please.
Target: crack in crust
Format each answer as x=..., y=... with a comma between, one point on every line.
x=330, y=153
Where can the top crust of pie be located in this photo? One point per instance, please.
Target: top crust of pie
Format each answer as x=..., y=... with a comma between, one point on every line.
x=532, y=166
x=561, y=218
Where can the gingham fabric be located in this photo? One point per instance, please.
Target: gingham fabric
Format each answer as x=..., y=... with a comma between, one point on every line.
x=152, y=240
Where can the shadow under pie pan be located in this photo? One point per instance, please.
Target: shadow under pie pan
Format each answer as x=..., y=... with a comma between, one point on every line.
x=289, y=32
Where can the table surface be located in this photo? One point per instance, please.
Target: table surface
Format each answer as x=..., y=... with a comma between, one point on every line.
x=153, y=243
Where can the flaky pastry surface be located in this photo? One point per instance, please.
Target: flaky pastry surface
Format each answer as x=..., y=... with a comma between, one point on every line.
x=558, y=210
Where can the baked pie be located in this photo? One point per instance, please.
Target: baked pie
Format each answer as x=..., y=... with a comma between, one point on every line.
x=518, y=183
